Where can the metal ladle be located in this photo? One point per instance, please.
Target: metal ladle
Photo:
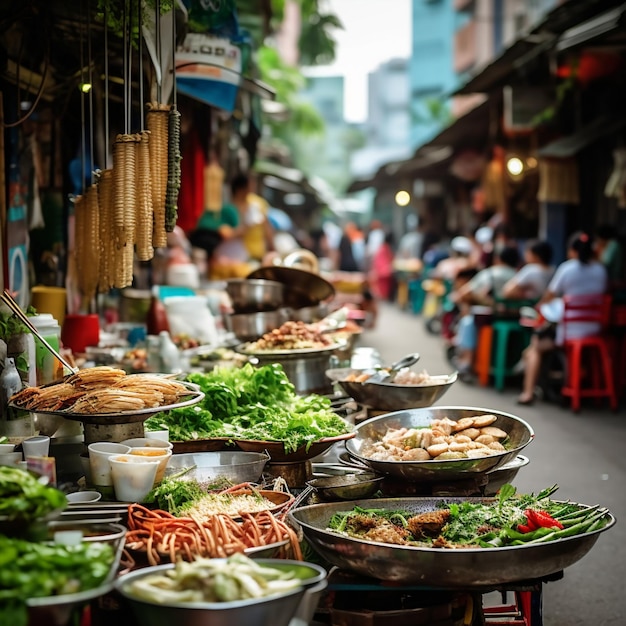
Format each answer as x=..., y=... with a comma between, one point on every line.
x=386, y=374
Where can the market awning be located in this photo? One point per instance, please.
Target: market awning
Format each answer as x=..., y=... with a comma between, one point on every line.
x=607, y=26
x=571, y=145
x=433, y=159
x=542, y=37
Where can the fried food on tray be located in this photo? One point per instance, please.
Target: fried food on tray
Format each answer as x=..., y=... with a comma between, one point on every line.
x=101, y=390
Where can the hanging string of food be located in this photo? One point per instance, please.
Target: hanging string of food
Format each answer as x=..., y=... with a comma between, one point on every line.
x=133, y=204
x=173, y=149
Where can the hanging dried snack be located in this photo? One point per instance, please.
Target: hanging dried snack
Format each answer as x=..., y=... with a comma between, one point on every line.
x=106, y=242
x=79, y=238
x=173, y=169
x=157, y=123
x=145, y=212
x=90, y=261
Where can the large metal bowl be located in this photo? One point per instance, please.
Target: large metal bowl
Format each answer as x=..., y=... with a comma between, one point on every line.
x=520, y=434
x=275, y=610
x=438, y=567
x=389, y=396
x=237, y=466
x=248, y=295
x=251, y=326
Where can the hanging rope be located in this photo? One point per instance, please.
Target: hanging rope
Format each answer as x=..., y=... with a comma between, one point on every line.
x=157, y=7
x=140, y=46
x=90, y=73
x=83, y=139
x=106, y=85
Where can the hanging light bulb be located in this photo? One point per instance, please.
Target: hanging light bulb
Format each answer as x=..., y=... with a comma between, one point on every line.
x=514, y=166
x=402, y=198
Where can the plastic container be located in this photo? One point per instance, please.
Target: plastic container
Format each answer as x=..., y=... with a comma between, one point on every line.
x=50, y=300
x=47, y=366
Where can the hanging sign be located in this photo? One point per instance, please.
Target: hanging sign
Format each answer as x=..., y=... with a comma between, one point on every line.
x=208, y=68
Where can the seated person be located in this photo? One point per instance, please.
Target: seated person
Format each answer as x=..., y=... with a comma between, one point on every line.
x=482, y=289
x=580, y=275
x=531, y=281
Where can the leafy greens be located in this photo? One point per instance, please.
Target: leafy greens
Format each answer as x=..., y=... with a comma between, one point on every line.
x=252, y=403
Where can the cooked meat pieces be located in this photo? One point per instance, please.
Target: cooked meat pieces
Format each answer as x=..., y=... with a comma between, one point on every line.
x=387, y=533
x=361, y=523
x=428, y=524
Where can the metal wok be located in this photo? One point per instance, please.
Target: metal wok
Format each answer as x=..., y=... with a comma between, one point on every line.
x=440, y=567
x=520, y=434
x=389, y=396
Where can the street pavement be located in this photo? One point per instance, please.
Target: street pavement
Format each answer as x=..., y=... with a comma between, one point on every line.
x=584, y=453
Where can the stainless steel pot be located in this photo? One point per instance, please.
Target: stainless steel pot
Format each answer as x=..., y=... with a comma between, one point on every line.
x=310, y=314
x=306, y=369
x=248, y=295
x=251, y=326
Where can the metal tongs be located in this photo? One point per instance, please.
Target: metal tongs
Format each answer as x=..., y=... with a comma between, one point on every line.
x=7, y=298
x=387, y=374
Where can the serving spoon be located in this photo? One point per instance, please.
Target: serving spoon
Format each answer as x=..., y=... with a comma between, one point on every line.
x=386, y=374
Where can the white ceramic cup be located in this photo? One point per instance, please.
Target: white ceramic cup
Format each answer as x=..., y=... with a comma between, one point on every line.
x=36, y=446
x=99, y=454
x=162, y=455
x=162, y=435
x=133, y=476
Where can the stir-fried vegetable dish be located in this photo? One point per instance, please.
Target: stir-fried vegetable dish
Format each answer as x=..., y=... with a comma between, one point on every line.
x=508, y=520
x=252, y=403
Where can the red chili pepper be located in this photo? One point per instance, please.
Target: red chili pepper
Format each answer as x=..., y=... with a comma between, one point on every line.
x=523, y=528
x=542, y=519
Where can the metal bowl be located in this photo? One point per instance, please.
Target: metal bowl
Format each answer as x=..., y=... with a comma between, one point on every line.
x=251, y=326
x=238, y=467
x=389, y=396
x=275, y=610
x=248, y=295
x=346, y=487
x=438, y=567
x=504, y=474
x=520, y=434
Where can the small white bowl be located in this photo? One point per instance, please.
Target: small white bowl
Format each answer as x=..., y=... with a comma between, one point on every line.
x=7, y=448
x=83, y=497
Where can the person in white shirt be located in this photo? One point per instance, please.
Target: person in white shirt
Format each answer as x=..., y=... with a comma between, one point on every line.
x=532, y=279
x=580, y=275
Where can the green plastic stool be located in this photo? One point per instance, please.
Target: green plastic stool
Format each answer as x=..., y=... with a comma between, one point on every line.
x=416, y=295
x=503, y=331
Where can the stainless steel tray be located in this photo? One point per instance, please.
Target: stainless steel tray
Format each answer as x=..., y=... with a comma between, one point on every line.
x=460, y=567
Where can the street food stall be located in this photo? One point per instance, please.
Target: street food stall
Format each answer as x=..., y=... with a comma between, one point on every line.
x=235, y=469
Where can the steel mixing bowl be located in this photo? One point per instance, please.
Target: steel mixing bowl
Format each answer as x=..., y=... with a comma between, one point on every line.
x=519, y=432
x=237, y=466
x=277, y=610
x=249, y=295
x=251, y=326
x=347, y=486
x=388, y=396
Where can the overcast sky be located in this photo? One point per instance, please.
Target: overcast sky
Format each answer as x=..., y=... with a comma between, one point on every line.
x=374, y=32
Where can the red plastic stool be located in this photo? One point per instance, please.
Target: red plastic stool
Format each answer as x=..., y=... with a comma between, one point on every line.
x=596, y=349
x=482, y=356
x=596, y=352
